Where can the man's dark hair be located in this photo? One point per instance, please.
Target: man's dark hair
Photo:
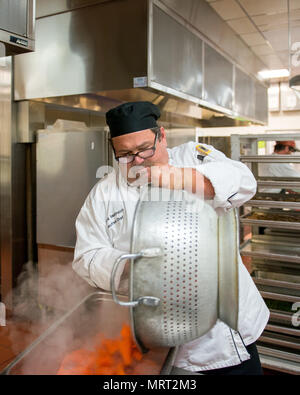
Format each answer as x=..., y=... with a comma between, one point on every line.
x=157, y=131
x=280, y=147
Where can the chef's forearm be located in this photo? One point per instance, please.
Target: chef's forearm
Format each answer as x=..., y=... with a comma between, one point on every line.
x=196, y=183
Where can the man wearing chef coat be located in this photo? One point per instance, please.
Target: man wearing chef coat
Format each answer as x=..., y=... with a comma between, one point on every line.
x=104, y=226
x=277, y=169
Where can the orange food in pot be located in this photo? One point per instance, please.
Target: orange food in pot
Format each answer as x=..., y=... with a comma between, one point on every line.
x=109, y=357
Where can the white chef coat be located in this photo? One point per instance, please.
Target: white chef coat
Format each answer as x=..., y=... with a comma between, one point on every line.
x=104, y=227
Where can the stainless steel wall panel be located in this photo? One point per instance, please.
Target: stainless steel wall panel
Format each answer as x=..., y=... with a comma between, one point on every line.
x=13, y=16
x=13, y=178
x=67, y=163
x=176, y=56
x=30, y=118
x=46, y=7
x=6, y=180
x=244, y=102
x=218, y=84
x=19, y=208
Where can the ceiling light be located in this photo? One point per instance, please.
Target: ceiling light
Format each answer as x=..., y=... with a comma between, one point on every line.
x=268, y=74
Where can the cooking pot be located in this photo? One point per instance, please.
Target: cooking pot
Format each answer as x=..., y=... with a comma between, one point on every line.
x=183, y=273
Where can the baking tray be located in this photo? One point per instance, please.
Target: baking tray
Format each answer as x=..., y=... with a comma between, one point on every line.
x=276, y=270
x=278, y=296
x=290, y=184
x=272, y=223
x=273, y=203
x=271, y=249
x=278, y=287
x=283, y=361
x=275, y=200
x=291, y=233
x=96, y=314
x=276, y=352
x=274, y=273
x=281, y=317
x=280, y=339
x=276, y=328
x=270, y=158
x=277, y=197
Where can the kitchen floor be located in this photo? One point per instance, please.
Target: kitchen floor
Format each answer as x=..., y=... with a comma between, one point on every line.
x=15, y=337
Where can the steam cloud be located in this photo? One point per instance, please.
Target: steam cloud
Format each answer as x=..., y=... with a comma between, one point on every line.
x=40, y=298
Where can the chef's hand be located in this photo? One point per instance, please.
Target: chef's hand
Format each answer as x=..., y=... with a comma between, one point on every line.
x=163, y=176
x=123, y=288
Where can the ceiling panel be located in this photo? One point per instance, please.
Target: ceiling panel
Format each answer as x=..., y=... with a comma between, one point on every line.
x=228, y=9
x=263, y=26
x=278, y=39
x=269, y=20
x=242, y=26
x=282, y=26
x=253, y=39
x=260, y=7
x=279, y=26
x=295, y=4
x=278, y=19
x=263, y=49
x=272, y=61
x=284, y=57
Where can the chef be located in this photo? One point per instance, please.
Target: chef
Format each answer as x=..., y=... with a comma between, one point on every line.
x=104, y=226
x=278, y=169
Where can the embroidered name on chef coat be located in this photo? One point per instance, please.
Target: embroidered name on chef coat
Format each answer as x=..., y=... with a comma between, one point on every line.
x=112, y=219
x=203, y=152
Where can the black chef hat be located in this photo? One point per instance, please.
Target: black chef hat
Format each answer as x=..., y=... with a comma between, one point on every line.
x=132, y=117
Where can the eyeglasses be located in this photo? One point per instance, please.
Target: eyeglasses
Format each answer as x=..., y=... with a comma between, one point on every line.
x=144, y=154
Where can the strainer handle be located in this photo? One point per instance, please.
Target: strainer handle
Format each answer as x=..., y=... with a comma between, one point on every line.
x=146, y=300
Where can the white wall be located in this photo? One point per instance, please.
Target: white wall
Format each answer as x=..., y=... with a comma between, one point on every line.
x=285, y=120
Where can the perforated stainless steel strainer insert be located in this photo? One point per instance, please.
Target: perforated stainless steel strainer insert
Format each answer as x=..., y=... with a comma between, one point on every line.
x=183, y=273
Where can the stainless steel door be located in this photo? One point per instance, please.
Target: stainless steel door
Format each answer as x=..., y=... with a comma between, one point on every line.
x=67, y=164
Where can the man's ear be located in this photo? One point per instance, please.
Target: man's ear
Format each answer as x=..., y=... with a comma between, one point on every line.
x=163, y=135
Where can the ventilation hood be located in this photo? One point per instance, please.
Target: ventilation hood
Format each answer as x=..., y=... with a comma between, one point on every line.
x=115, y=51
